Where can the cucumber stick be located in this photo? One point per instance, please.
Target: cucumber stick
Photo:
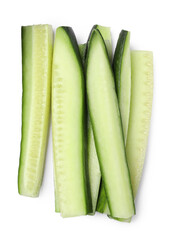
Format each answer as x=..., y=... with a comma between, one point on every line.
x=93, y=164
x=107, y=129
x=94, y=173
x=140, y=113
x=122, y=72
x=106, y=34
x=68, y=103
x=36, y=77
x=102, y=205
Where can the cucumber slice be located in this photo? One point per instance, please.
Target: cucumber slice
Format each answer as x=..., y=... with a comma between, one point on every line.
x=68, y=103
x=36, y=76
x=122, y=71
x=140, y=113
x=94, y=174
x=93, y=164
x=106, y=123
x=102, y=200
x=106, y=34
x=93, y=167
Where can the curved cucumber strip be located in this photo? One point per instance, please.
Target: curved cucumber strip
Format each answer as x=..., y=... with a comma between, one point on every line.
x=122, y=71
x=93, y=164
x=140, y=113
x=102, y=205
x=36, y=76
x=106, y=34
x=104, y=114
x=68, y=125
x=93, y=167
x=94, y=173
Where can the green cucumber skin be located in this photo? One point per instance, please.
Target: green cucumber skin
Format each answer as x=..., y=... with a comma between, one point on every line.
x=80, y=60
x=140, y=114
x=94, y=174
x=72, y=43
x=130, y=209
x=82, y=50
x=106, y=35
x=30, y=186
x=122, y=63
x=102, y=200
x=26, y=33
x=117, y=61
x=122, y=72
x=93, y=164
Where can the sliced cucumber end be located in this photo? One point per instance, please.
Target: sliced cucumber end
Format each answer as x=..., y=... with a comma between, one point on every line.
x=127, y=220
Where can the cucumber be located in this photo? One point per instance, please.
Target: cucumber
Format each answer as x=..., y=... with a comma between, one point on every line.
x=107, y=129
x=102, y=200
x=122, y=72
x=68, y=102
x=140, y=113
x=93, y=164
x=36, y=77
x=94, y=174
x=93, y=167
x=106, y=34
x=82, y=50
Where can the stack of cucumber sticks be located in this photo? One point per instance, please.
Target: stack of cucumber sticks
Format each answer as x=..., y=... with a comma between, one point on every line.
x=101, y=109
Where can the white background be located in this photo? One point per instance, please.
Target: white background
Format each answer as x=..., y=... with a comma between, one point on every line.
x=150, y=23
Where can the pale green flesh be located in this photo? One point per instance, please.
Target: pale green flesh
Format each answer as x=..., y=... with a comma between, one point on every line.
x=105, y=119
x=124, y=91
x=106, y=34
x=67, y=127
x=36, y=59
x=93, y=164
x=125, y=87
x=93, y=167
x=140, y=113
x=56, y=194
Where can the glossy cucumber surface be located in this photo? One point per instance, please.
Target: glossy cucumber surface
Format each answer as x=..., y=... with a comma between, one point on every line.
x=107, y=129
x=68, y=104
